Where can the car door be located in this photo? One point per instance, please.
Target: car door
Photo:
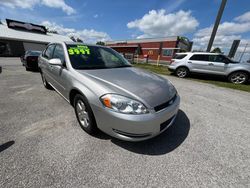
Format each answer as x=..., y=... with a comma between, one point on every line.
x=60, y=74
x=44, y=61
x=198, y=63
x=218, y=64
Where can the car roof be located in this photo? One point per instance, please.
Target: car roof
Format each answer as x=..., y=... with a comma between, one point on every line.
x=78, y=43
x=82, y=43
x=200, y=53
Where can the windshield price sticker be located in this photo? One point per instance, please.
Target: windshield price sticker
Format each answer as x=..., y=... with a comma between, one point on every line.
x=80, y=49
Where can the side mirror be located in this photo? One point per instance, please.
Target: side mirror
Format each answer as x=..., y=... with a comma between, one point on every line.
x=55, y=61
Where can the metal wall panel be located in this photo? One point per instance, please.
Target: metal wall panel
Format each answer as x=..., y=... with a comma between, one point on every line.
x=33, y=46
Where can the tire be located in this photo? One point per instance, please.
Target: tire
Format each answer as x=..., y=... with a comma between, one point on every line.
x=45, y=83
x=238, y=77
x=27, y=69
x=84, y=114
x=182, y=72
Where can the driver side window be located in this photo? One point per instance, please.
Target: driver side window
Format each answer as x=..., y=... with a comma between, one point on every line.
x=59, y=53
x=218, y=58
x=49, y=51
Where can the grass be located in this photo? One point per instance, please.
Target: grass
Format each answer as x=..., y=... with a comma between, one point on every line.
x=221, y=82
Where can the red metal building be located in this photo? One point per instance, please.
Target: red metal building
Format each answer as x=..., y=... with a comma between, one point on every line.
x=154, y=49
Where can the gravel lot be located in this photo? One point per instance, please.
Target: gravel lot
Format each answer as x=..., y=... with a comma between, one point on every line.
x=42, y=145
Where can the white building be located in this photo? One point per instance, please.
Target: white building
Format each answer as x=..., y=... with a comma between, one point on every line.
x=17, y=37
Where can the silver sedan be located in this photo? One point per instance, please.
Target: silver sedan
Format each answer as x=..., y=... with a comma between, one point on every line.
x=107, y=93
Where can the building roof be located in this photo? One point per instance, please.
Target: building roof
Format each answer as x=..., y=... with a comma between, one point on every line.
x=143, y=40
x=200, y=53
x=13, y=34
x=124, y=46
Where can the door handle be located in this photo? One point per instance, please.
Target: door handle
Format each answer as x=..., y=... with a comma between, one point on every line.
x=210, y=64
x=189, y=61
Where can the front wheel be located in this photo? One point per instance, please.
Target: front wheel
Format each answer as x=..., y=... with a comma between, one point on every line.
x=238, y=78
x=182, y=72
x=84, y=114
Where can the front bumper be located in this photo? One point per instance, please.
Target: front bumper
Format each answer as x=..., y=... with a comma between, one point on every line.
x=135, y=127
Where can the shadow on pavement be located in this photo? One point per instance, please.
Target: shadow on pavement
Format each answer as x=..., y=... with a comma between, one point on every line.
x=166, y=142
x=6, y=145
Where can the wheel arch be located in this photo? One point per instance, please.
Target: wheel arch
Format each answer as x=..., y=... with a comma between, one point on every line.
x=183, y=66
x=73, y=92
x=240, y=70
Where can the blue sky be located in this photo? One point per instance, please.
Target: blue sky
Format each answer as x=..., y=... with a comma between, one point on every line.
x=94, y=20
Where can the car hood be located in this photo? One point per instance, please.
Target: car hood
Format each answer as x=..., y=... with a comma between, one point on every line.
x=134, y=82
x=245, y=63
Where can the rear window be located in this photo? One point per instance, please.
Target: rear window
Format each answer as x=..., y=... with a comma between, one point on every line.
x=200, y=57
x=179, y=56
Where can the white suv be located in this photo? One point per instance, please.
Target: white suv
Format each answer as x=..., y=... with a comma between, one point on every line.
x=209, y=63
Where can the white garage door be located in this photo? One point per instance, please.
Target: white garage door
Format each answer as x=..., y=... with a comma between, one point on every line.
x=33, y=46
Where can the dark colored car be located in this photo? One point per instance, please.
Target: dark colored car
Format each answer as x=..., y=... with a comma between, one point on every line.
x=30, y=60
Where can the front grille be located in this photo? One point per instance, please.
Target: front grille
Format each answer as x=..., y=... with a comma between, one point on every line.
x=166, y=104
x=132, y=135
x=166, y=123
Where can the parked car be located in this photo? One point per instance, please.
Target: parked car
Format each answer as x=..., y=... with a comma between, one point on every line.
x=22, y=57
x=107, y=93
x=30, y=60
x=210, y=63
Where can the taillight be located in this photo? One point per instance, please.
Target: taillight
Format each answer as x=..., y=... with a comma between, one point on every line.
x=172, y=61
x=31, y=58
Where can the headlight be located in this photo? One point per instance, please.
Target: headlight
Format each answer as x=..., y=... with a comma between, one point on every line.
x=123, y=104
x=172, y=89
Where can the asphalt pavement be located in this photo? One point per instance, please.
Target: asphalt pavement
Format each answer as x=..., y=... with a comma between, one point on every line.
x=42, y=145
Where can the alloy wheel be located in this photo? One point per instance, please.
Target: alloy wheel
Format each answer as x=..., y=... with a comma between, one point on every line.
x=82, y=114
x=181, y=72
x=238, y=78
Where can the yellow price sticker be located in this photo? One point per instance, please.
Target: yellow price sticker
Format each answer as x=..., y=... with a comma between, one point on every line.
x=79, y=50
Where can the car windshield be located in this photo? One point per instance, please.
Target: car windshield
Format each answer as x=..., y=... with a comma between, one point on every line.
x=95, y=57
x=230, y=60
x=34, y=53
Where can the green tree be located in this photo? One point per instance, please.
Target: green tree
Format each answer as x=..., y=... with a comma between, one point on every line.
x=73, y=38
x=216, y=50
x=79, y=40
x=100, y=43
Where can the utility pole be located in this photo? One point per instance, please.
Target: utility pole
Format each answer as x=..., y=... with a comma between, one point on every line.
x=243, y=52
x=216, y=24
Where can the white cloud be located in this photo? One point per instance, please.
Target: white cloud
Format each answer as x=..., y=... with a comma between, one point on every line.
x=244, y=17
x=226, y=34
x=59, y=4
x=29, y=4
x=173, y=5
x=96, y=16
x=20, y=3
x=87, y=35
x=226, y=28
x=160, y=24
